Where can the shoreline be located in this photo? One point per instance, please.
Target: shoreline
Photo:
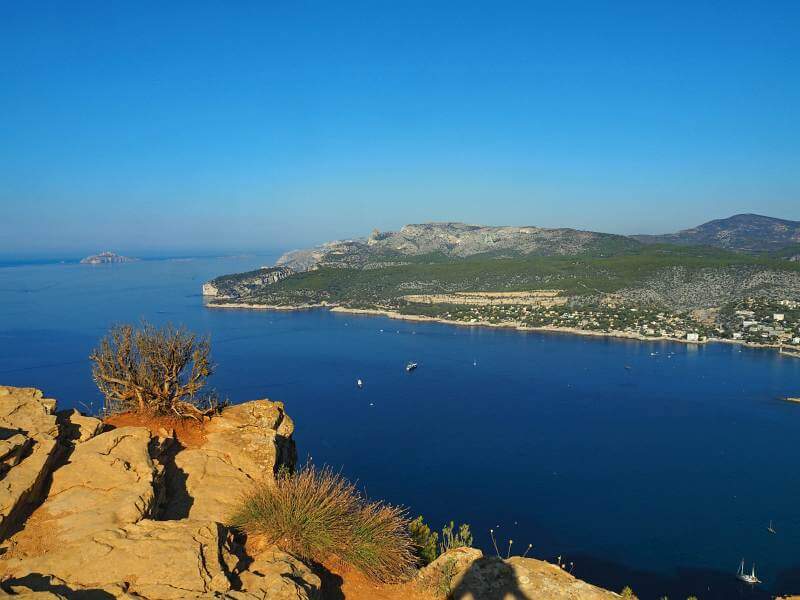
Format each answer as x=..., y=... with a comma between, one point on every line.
x=266, y=306
x=514, y=325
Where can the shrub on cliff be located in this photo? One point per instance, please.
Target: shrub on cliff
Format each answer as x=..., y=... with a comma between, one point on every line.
x=452, y=539
x=318, y=515
x=427, y=546
x=152, y=371
x=627, y=593
x=425, y=541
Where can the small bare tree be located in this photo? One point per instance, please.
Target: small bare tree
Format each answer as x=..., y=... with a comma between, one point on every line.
x=153, y=371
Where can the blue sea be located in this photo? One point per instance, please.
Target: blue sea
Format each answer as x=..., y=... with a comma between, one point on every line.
x=651, y=464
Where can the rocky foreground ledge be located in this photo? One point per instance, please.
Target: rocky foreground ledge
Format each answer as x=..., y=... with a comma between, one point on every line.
x=90, y=511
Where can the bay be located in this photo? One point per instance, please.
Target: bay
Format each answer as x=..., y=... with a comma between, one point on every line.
x=651, y=464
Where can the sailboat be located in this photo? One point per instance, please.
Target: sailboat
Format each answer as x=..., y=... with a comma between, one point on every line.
x=770, y=528
x=747, y=577
x=359, y=383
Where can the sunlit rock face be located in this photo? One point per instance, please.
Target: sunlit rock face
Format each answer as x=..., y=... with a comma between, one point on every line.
x=131, y=513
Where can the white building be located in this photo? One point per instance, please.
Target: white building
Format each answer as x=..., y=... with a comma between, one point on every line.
x=692, y=337
x=777, y=317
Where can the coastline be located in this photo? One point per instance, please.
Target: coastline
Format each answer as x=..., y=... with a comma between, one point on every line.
x=515, y=325
x=265, y=306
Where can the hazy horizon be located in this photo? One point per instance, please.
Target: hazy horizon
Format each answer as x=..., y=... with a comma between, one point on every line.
x=211, y=252
x=185, y=128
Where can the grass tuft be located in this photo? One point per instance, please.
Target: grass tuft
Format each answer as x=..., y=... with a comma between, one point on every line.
x=319, y=515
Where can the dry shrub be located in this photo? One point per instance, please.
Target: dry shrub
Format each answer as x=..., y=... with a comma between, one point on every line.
x=153, y=371
x=318, y=515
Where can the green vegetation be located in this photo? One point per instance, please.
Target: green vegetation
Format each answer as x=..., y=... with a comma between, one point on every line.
x=444, y=582
x=426, y=542
x=609, y=285
x=788, y=252
x=318, y=515
x=455, y=539
x=618, y=266
x=152, y=371
x=627, y=593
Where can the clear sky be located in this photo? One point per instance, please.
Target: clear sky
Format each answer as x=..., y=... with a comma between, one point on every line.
x=184, y=127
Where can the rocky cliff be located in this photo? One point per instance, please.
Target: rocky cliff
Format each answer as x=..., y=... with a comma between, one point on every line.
x=455, y=240
x=88, y=510
x=241, y=285
x=742, y=233
x=126, y=513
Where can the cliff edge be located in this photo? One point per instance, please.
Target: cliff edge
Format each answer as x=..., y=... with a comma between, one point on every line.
x=92, y=509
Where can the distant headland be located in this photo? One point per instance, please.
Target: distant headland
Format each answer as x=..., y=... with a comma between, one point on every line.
x=735, y=280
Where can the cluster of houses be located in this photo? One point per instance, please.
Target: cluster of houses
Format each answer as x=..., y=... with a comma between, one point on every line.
x=608, y=318
x=755, y=320
x=759, y=320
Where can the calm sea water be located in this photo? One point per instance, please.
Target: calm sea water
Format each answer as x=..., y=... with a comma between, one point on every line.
x=661, y=476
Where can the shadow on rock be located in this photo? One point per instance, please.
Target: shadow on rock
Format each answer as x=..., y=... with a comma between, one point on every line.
x=488, y=578
x=331, y=588
x=177, y=500
x=36, y=582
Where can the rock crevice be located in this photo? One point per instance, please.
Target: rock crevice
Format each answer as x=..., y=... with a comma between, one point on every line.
x=128, y=514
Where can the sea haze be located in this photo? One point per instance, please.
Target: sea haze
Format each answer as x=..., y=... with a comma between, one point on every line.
x=651, y=464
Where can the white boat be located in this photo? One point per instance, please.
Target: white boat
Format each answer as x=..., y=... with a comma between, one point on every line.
x=411, y=366
x=359, y=383
x=747, y=577
x=771, y=529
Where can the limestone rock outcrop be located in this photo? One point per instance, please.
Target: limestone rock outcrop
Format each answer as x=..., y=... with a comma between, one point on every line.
x=246, y=443
x=110, y=481
x=276, y=575
x=28, y=450
x=152, y=559
x=99, y=521
x=468, y=575
x=75, y=427
x=244, y=284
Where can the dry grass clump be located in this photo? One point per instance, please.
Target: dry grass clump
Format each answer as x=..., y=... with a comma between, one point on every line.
x=318, y=515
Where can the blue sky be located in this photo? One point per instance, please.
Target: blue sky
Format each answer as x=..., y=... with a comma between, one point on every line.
x=171, y=127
